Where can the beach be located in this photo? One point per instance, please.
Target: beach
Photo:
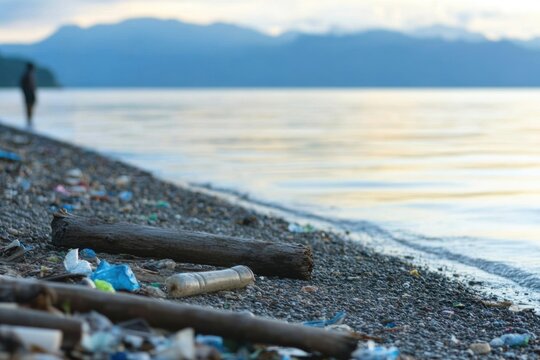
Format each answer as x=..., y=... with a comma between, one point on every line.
x=423, y=313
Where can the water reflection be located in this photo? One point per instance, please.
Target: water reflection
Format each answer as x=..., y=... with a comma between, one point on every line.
x=445, y=163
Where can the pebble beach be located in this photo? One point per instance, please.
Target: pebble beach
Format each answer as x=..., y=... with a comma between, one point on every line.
x=423, y=313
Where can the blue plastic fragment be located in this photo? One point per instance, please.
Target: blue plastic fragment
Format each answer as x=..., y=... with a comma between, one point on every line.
x=120, y=355
x=25, y=184
x=121, y=277
x=337, y=319
x=68, y=207
x=125, y=195
x=513, y=340
x=211, y=340
x=26, y=247
x=376, y=353
x=6, y=155
x=87, y=254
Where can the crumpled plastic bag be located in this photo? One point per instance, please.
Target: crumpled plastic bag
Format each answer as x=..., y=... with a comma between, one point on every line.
x=121, y=277
x=74, y=265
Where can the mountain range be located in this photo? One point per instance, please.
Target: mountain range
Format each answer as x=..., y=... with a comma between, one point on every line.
x=150, y=52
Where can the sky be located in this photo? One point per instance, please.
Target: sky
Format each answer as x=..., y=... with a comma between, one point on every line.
x=31, y=20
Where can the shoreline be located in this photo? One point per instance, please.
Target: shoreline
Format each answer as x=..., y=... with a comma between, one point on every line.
x=430, y=311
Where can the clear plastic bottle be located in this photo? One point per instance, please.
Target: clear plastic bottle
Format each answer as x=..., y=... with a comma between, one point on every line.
x=187, y=284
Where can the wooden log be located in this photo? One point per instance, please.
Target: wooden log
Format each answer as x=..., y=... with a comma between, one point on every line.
x=175, y=316
x=71, y=328
x=264, y=258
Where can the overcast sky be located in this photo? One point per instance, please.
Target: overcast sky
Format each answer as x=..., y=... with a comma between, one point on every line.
x=29, y=20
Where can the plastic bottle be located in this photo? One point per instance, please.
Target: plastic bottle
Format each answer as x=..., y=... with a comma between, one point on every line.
x=511, y=340
x=187, y=284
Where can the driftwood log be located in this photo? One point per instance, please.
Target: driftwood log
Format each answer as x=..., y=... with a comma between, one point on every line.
x=264, y=258
x=175, y=316
x=71, y=328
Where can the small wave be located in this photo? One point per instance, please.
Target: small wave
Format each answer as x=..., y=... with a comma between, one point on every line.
x=519, y=276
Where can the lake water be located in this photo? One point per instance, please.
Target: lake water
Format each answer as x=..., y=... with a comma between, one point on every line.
x=450, y=174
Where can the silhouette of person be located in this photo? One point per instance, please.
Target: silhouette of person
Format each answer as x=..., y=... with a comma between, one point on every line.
x=28, y=87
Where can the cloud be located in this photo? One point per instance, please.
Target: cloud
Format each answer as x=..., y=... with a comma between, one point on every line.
x=32, y=19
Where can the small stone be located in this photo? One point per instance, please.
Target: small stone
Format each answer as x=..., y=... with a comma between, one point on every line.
x=310, y=288
x=126, y=208
x=122, y=181
x=155, y=292
x=13, y=231
x=480, y=348
x=166, y=264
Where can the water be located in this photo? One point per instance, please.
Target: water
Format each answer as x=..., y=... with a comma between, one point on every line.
x=454, y=174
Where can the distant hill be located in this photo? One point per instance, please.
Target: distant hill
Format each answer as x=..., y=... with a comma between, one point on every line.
x=11, y=70
x=151, y=52
x=448, y=33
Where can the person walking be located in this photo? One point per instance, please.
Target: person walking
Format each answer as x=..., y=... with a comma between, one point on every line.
x=28, y=87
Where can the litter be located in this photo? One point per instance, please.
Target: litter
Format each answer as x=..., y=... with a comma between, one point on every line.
x=337, y=319
x=61, y=189
x=415, y=273
x=104, y=286
x=181, y=348
x=122, y=180
x=374, y=352
x=497, y=304
x=121, y=277
x=24, y=184
x=48, y=340
x=187, y=284
x=12, y=252
x=9, y=156
x=125, y=196
x=88, y=254
x=513, y=340
x=296, y=228
x=74, y=265
x=163, y=204
x=288, y=353
x=211, y=340
x=74, y=173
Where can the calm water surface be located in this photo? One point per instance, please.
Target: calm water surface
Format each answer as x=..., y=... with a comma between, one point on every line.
x=453, y=173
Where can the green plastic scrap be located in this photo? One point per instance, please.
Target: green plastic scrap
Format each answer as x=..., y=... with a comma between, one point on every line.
x=104, y=286
x=163, y=204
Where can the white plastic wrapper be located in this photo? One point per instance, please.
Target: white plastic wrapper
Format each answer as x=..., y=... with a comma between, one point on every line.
x=74, y=265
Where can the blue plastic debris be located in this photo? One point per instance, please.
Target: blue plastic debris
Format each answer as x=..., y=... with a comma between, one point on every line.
x=211, y=340
x=337, y=319
x=513, y=340
x=6, y=155
x=68, y=207
x=125, y=196
x=88, y=254
x=373, y=352
x=25, y=184
x=121, y=277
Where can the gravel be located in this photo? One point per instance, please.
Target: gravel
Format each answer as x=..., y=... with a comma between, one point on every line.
x=423, y=313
